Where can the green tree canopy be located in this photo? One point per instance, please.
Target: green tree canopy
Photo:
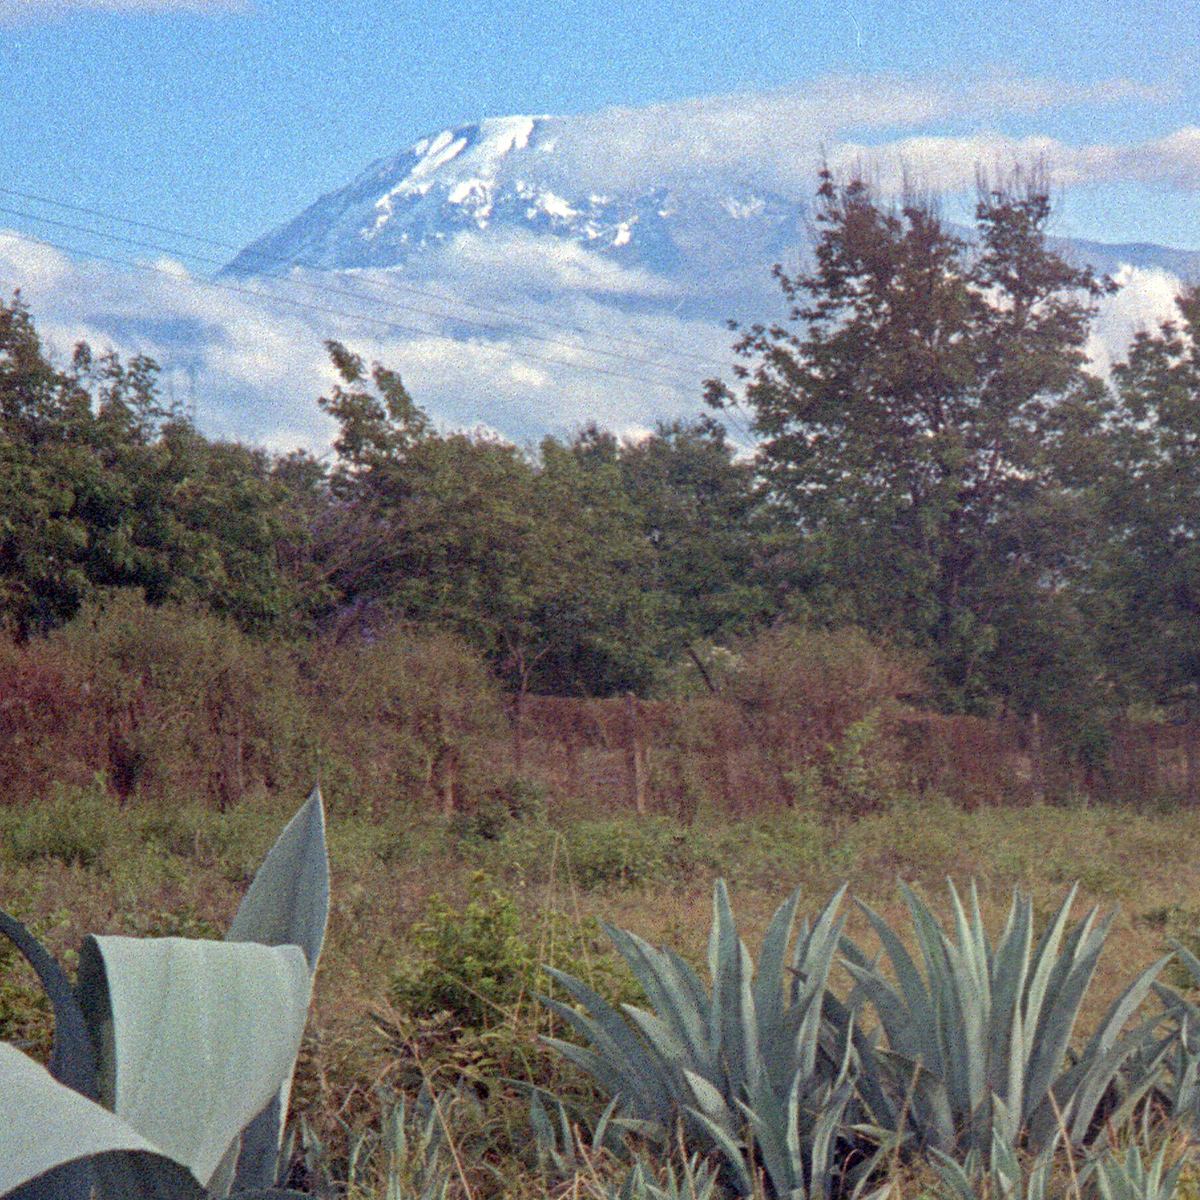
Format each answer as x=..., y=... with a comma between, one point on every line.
x=1152, y=478
x=535, y=561
x=919, y=415
x=102, y=485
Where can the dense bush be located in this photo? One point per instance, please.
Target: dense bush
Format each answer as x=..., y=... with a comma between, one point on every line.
x=161, y=703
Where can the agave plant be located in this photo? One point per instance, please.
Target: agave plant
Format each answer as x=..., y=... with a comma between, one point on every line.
x=1136, y=1178
x=1002, y=1173
x=1178, y=1087
x=756, y=1070
x=977, y=1049
x=173, y=1058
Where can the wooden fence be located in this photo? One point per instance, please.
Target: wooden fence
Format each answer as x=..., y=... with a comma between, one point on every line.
x=656, y=756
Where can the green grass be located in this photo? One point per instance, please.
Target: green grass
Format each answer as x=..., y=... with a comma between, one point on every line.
x=436, y=929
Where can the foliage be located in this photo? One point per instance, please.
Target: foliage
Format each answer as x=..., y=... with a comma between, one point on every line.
x=171, y=686
x=480, y=964
x=102, y=486
x=530, y=563
x=172, y=1060
x=1153, y=508
x=698, y=507
x=476, y=964
x=979, y=1045
x=752, y=1071
x=918, y=424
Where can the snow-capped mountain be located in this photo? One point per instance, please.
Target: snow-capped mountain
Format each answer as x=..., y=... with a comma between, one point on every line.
x=525, y=275
x=507, y=178
x=475, y=200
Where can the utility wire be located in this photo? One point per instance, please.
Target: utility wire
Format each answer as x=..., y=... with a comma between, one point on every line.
x=653, y=363
x=383, y=322
x=655, y=350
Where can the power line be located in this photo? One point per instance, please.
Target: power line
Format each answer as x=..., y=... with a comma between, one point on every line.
x=384, y=322
x=655, y=350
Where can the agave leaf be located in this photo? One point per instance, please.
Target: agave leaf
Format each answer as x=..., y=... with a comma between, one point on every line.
x=828, y=1125
x=1132, y=1179
x=812, y=965
x=626, y=1055
x=689, y=982
x=898, y=1011
x=287, y=904
x=769, y=981
x=966, y=1009
x=1188, y=959
x=73, y=1059
x=670, y=996
x=1009, y=976
x=133, y=1175
x=179, y=1058
x=736, y=1043
x=925, y=1097
x=1045, y=960
x=288, y=900
x=659, y=1039
x=732, y=1150
x=955, y=1174
x=708, y=1099
x=1079, y=1091
x=1051, y=1014
x=47, y=1125
x=733, y=1025
x=776, y=1144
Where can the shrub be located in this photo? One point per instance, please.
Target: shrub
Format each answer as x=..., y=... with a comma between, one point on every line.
x=473, y=964
x=406, y=715
x=185, y=701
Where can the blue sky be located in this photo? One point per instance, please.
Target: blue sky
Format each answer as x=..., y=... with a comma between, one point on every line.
x=221, y=118
x=212, y=121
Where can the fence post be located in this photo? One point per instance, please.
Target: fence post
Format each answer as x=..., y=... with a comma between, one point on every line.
x=636, y=754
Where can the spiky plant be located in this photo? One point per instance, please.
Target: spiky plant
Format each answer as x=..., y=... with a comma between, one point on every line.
x=758, y=1069
x=173, y=1057
x=978, y=1039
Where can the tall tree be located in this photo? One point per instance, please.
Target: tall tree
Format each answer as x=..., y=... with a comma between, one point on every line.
x=1153, y=494
x=101, y=485
x=920, y=410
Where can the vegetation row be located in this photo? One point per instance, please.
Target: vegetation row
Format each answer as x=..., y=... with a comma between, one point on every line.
x=934, y=461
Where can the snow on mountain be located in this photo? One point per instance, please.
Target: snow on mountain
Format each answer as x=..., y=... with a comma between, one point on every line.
x=503, y=178
x=532, y=274
x=701, y=242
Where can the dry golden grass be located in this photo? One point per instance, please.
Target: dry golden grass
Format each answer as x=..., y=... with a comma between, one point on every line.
x=188, y=878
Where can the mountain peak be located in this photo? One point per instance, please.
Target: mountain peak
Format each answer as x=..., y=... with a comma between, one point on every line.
x=508, y=175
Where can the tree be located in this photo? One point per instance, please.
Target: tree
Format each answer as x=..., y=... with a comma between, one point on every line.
x=697, y=504
x=600, y=621
x=1152, y=488
x=103, y=486
x=921, y=411
x=531, y=561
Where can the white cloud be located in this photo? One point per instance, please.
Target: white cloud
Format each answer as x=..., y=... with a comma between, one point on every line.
x=253, y=363
x=1145, y=301
x=778, y=137
x=949, y=163
x=520, y=262
x=520, y=336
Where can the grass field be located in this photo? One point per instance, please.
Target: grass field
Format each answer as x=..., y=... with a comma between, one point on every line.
x=437, y=926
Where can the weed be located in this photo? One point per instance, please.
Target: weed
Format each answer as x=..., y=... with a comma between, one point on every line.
x=473, y=964
x=74, y=827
